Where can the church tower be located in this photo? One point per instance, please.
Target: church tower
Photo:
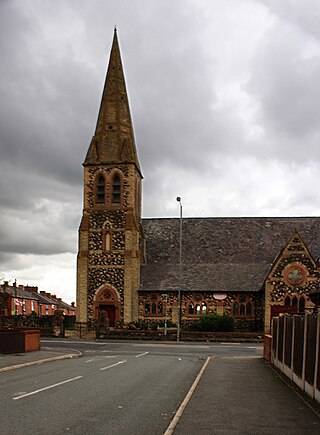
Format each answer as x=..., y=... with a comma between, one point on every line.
x=110, y=233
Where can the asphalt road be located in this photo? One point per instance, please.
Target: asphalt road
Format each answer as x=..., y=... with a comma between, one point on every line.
x=115, y=388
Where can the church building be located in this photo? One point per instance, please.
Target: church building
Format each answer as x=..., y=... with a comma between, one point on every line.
x=128, y=266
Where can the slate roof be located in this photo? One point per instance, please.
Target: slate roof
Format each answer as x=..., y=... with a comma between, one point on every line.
x=219, y=254
x=19, y=293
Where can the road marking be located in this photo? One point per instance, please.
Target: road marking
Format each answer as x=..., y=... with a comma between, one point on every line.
x=141, y=354
x=99, y=358
x=46, y=388
x=113, y=365
x=183, y=405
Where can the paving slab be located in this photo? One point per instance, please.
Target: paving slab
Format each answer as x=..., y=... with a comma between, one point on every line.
x=244, y=396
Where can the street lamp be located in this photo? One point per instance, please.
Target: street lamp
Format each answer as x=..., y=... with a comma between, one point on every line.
x=165, y=295
x=180, y=272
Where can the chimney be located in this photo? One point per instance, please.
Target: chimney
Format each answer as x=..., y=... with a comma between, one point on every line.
x=73, y=304
x=43, y=293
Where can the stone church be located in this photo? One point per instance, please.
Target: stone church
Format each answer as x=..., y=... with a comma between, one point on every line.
x=249, y=268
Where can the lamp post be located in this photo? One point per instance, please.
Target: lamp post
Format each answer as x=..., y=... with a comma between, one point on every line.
x=180, y=272
x=165, y=314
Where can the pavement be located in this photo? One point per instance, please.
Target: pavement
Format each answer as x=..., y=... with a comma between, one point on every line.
x=19, y=360
x=247, y=396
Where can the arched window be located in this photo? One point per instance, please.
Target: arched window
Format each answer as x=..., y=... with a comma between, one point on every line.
x=116, y=189
x=147, y=307
x=204, y=308
x=287, y=300
x=295, y=301
x=100, y=192
x=243, y=306
x=191, y=308
x=154, y=304
x=302, y=304
x=196, y=305
x=107, y=240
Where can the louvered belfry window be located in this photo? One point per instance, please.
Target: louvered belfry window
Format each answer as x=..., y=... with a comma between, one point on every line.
x=116, y=189
x=100, y=189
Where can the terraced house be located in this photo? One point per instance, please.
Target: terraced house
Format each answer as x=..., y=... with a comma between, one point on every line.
x=250, y=268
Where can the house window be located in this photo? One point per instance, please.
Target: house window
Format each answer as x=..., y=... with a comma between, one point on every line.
x=154, y=305
x=100, y=192
x=287, y=300
x=191, y=308
x=197, y=306
x=302, y=304
x=32, y=305
x=106, y=240
x=24, y=305
x=242, y=307
x=298, y=303
x=116, y=189
x=47, y=309
x=147, y=307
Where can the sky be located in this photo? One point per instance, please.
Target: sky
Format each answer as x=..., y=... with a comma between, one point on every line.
x=225, y=102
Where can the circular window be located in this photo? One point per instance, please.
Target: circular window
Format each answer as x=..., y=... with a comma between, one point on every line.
x=295, y=274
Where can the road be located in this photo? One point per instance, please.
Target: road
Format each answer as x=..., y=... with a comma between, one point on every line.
x=115, y=388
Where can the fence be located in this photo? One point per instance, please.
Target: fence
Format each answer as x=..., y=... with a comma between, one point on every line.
x=43, y=323
x=295, y=350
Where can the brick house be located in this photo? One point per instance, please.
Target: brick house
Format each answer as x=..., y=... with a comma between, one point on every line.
x=249, y=268
x=26, y=299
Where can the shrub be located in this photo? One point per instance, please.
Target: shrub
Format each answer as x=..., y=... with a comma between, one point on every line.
x=58, y=318
x=214, y=323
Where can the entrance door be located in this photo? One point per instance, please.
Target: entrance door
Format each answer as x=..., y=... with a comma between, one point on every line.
x=111, y=311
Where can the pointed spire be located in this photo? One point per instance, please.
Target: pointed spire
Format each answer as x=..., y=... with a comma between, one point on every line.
x=113, y=141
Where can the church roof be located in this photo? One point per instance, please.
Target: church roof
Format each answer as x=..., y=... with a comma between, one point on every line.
x=113, y=141
x=219, y=254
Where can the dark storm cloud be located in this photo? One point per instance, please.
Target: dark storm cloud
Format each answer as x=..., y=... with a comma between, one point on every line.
x=222, y=95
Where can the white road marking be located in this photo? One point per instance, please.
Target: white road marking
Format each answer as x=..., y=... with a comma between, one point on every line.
x=99, y=358
x=113, y=365
x=46, y=388
x=142, y=354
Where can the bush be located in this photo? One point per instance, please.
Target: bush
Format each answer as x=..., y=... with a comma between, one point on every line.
x=57, y=318
x=214, y=323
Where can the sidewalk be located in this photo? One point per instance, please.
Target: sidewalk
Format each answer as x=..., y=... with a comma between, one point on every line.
x=19, y=360
x=245, y=396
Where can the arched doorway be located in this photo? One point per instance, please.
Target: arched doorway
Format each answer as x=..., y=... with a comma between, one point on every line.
x=107, y=300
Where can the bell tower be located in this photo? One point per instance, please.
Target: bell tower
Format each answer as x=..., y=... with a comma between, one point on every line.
x=110, y=232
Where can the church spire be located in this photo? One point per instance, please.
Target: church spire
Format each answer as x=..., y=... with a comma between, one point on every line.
x=113, y=141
